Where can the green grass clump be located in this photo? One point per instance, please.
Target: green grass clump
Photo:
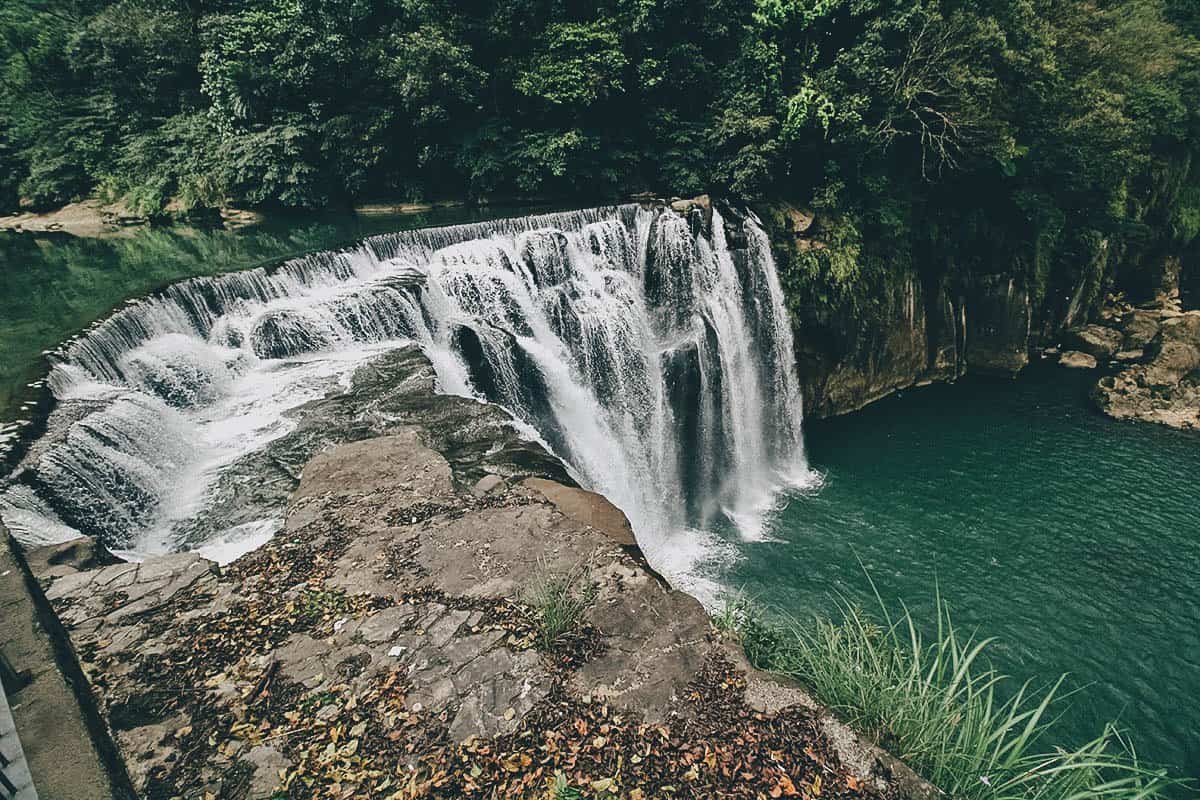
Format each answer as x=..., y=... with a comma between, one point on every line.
x=561, y=789
x=558, y=601
x=935, y=704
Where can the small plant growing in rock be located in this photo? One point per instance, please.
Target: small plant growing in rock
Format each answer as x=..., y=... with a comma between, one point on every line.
x=558, y=601
x=561, y=789
x=314, y=606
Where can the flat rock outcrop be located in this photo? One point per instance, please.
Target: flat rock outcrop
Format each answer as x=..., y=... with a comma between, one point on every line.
x=384, y=645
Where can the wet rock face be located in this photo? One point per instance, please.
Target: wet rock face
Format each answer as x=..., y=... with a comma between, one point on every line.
x=1165, y=388
x=999, y=317
x=845, y=362
x=913, y=334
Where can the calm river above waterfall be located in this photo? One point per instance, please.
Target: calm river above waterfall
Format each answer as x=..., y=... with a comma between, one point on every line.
x=1071, y=538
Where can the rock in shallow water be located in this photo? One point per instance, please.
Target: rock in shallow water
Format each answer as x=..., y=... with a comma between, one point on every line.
x=1165, y=389
x=1077, y=360
x=1097, y=341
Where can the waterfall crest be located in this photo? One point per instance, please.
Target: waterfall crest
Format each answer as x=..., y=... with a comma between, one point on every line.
x=644, y=349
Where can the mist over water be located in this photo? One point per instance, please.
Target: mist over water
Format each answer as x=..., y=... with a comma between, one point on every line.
x=641, y=346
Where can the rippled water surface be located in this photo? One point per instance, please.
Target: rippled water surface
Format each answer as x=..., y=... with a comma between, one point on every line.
x=1073, y=538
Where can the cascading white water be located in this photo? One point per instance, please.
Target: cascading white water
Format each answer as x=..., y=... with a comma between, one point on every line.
x=654, y=358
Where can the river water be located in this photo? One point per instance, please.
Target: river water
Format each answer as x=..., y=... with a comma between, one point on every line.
x=1072, y=538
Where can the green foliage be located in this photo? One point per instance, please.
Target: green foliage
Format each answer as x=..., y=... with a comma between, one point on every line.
x=52, y=181
x=805, y=107
x=794, y=12
x=11, y=170
x=837, y=263
x=932, y=131
x=970, y=731
x=558, y=602
x=274, y=162
x=579, y=65
x=1185, y=217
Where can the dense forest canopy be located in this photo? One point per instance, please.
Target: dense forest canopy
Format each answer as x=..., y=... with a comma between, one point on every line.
x=1053, y=128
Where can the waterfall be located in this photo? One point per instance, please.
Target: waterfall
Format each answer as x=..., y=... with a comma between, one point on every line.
x=640, y=345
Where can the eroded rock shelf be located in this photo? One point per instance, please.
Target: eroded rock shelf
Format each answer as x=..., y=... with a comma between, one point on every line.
x=378, y=646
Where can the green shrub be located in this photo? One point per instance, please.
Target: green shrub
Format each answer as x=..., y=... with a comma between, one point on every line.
x=53, y=182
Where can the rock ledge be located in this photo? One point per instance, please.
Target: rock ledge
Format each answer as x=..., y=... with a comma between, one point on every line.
x=379, y=647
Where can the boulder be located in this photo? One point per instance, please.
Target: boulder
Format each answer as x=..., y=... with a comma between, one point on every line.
x=1095, y=340
x=1176, y=350
x=1166, y=388
x=1140, y=327
x=684, y=205
x=1077, y=360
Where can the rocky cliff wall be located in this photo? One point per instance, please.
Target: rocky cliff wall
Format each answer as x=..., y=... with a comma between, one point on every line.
x=916, y=334
x=918, y=324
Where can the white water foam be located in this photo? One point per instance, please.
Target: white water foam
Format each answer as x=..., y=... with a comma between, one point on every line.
x=651, y=356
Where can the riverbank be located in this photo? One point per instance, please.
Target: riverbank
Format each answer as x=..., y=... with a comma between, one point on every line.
x=88, y=218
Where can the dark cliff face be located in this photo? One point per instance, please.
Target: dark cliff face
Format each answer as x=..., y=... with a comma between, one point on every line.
x=913, y=325
x=914, y=334
x=847, y=360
